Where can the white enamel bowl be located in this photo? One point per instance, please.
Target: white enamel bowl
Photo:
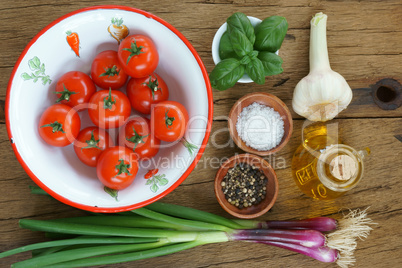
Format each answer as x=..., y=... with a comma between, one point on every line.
x=57, y=170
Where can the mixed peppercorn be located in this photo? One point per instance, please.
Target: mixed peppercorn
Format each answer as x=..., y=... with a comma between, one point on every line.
x=244, y=186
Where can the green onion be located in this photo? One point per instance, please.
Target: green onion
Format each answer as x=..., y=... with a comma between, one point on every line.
x=38, y=190
x=80, y=253
x=46, y=251
x=96, y=230
x=78, y=241
x=127, y=257
x=192, y=214
x=188, y=223
x=162, y=229
x=322, y=224
x=123, y=221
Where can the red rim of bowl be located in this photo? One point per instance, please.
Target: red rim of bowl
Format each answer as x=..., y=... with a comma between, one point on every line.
x=189, y=169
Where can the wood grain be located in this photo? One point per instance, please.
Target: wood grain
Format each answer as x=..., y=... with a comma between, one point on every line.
x=364, y=44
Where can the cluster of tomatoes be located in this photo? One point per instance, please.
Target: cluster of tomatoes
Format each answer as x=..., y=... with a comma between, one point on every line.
x=138, y=137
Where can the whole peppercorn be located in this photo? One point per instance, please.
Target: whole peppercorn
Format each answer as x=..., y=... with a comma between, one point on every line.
x=244, y=186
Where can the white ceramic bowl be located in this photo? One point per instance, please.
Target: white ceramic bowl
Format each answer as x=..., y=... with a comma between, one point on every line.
x=215, y=46
x=57, y=170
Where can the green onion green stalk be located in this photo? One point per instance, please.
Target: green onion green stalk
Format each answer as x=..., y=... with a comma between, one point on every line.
x=161, y=229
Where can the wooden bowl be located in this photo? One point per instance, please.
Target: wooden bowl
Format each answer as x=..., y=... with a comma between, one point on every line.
x=272, y=186
x=267, y=100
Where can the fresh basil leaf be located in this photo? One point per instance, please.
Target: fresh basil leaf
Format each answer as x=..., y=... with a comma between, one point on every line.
x=272, y=63
x=255, y=70
x=241, y=45
x=226, y=73
x=245, y=60
x=225, y=47
x=240, y=22
x=249, y=57
x=269, y=34
x=254, y=54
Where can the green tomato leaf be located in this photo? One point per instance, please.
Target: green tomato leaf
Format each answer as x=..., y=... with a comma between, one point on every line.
x=26, y=76
x=225, y=47
x=269, y=34
x=154, y=188
x=255, y=70
x=226, y=73
x=240, y=22
x=45, y=80
x=31, y=65
x=149, y=181
x=272, y=63
x=241, y=45
x=163, y=181
x=34, y=63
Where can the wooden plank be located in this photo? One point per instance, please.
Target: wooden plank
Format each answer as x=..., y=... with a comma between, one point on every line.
x=364, y=40
x=363, y=54
x=2, y=109
x=380, y=189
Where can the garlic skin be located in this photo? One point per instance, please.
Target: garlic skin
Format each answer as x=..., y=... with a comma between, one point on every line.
x=323, y=93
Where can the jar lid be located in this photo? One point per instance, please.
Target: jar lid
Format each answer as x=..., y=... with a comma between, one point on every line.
x=343, y=167
x=340, y=167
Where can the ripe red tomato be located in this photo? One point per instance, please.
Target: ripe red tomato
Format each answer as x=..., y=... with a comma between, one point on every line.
x=136, y=135
x=117, y=167
x=107, y=72
x=138, y=55
x=143, y=92
x=75, y=88
x=90, y=143
x=169, y=121
x=109, y=108
x=59, y=125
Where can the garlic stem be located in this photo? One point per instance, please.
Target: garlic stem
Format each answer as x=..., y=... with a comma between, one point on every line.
x=323, y=93
x=318, y=43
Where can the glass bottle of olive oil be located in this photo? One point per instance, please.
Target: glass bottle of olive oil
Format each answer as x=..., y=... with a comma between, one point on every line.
x=322, y=166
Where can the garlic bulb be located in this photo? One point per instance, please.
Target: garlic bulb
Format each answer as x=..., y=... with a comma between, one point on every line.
x=323, y=93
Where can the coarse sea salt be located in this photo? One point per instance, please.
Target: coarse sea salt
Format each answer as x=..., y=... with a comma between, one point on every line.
x=260, y=127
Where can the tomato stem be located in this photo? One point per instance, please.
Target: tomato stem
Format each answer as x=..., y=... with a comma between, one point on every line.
x=65, y=94
x=110, y=71
x=168, y=120
x=136, y=139
x=92, y=143
x=122, y=168
x=56, y=127
x=153, y=85
x=112, y=192
x=134, y=50
x=190, y=147
x=108, y=102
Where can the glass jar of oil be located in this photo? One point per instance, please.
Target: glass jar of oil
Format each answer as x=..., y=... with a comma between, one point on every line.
x=322, y=166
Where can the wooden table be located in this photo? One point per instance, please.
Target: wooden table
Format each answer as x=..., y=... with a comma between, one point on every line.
x=364, y=39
